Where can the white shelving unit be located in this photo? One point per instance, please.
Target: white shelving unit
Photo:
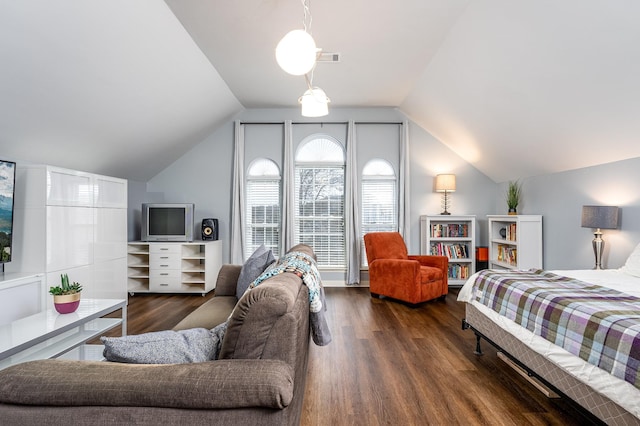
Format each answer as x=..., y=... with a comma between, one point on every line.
x=454, y=237
x=173, y=267
x=515, y=242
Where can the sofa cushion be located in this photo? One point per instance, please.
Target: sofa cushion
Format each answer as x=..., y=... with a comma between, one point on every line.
x=200, y=386
x=165, y=347
x=209, y=314
x=252, y=268
x=263, y=322
x=429, y=274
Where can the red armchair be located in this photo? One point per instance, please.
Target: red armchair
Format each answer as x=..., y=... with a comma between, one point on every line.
x=395, y=274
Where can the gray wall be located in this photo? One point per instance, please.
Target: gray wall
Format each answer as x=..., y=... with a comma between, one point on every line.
x=203, y=175
x=559, y=198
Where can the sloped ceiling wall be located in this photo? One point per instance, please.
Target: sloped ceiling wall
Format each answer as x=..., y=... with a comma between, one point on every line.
x=115, y=87
x=516, y=88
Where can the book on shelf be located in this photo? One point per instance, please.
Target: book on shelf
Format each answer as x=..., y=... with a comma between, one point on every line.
x=449, y=230
x=451, y=250
x=458, y=272
x=507, y=254
x=511, y=232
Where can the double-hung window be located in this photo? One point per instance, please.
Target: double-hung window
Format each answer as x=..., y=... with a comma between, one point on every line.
x=319, y=199
x=262, y=206
x=379, y=199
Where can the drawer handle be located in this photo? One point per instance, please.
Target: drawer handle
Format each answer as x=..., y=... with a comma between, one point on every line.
x=164, y=257
x=164, y=248
x=164, y=285
x=164, y=266
x=164, y=273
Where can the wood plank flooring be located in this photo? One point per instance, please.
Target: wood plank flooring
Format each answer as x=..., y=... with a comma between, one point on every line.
x=389, y=364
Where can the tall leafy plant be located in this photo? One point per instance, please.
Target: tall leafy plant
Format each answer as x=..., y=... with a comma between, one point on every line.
x=514, y=192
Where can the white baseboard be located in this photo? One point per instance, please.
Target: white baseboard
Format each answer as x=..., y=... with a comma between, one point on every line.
x=340, y=283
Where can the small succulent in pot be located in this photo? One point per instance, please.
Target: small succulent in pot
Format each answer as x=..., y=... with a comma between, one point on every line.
x=65, y=288
x=66, y=296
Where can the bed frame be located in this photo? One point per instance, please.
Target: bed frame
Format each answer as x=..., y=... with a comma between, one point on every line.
x=548, y=373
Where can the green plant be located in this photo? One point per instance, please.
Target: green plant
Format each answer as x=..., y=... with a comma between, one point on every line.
x=514, y=191
x=65, y=288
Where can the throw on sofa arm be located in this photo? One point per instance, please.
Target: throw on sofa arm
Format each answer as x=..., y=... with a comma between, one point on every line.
x=208, y=385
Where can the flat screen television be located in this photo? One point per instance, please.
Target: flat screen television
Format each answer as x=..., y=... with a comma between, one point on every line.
x=7, y=190
x=167, y=222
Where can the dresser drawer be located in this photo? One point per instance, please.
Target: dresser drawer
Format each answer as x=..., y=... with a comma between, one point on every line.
x=164, y=261
x=165, y=248
x=168, y=281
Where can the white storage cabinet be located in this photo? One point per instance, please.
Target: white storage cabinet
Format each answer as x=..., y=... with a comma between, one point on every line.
x=157, y=267
x=72, y=222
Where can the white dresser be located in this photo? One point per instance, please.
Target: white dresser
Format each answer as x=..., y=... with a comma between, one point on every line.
x=173, y=267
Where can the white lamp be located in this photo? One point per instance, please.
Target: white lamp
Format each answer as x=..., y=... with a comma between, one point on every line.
x=315, y=103
x=445, y=184
x=296, y=52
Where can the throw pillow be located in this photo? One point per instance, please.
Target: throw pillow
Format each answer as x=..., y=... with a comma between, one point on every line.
x=252, y=268
x=632, y=265
x=166, y=347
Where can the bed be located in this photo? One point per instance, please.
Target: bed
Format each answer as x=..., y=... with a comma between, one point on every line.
x=609, y=395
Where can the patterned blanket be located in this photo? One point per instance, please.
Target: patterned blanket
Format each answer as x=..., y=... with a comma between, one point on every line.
x=305, y=267
x=598, y=324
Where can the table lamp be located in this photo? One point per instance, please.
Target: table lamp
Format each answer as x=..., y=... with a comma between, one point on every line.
x=445, y=184
x=599, y=217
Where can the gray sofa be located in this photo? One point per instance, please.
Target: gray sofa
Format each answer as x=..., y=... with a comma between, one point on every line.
x=259, y=378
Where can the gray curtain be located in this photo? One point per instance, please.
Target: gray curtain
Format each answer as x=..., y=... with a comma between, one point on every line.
x=237, y=202
x=404, y=209
x=352, y=209
x=288, y=237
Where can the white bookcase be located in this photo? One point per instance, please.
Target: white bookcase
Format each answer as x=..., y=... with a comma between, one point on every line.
x=515, y=242
x=454, y=237
x=158, y=267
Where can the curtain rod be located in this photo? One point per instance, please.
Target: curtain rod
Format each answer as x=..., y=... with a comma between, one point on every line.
x=321, y=122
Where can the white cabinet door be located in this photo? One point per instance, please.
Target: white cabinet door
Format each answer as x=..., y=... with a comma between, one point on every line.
x=110, y=239
x=69, y=188
x=110, y=279
x=110, y=192
x=69, y=237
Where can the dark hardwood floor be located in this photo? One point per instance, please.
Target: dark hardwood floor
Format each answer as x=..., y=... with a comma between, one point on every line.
x=389, y=364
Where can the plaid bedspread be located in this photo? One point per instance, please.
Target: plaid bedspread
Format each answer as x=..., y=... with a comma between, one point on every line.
x=598, y=324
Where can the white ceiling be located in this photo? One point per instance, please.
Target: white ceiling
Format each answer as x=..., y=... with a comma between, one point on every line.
x=515, y=88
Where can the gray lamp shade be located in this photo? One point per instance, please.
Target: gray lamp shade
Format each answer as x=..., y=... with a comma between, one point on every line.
x=603, y=217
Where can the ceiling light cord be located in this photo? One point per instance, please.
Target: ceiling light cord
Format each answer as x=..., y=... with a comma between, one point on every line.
x=307, y=17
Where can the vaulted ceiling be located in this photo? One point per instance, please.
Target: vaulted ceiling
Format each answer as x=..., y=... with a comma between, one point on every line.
x=515, y=88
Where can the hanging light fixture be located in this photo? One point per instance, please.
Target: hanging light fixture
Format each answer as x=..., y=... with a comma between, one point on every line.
x=297, y=54
x=315, y=103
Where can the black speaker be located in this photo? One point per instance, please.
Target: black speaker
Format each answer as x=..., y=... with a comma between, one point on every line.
x=209, y=229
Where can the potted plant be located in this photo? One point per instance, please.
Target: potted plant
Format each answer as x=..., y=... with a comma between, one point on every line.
x=514, y=191
x=66, y=297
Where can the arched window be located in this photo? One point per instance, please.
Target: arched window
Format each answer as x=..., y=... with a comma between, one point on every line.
x=262, y=206
x=319, y=200
x=379, y=198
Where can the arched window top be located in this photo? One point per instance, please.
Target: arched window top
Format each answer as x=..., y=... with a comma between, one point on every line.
x=378, y=167
x=263, y=167
x=320, y=149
